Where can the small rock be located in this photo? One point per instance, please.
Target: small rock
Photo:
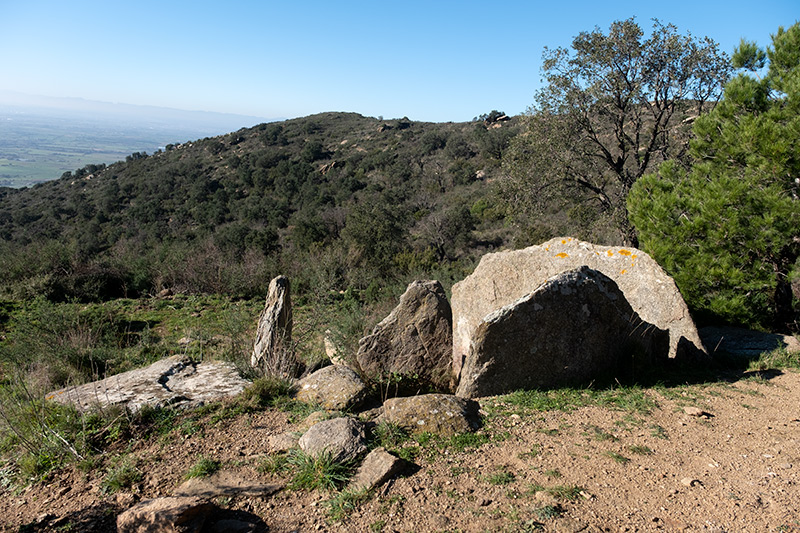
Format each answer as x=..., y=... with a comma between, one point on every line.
x=125, y=499
x=785, y=466
x=696, y=412
x=281, y=443
x=376, y=469
x=335, y=388
x=691, y=482
x=343, y=438
x=166, y=515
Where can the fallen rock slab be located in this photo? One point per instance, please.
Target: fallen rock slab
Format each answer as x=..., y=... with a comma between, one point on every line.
x=176, y=380
x=503, y=277
x=441, y=414
x=414, y=343
x=224, y=484
x=334, y=388
x=575, y=329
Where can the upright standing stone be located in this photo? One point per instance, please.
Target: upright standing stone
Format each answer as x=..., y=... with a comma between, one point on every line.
x=274, y=334
x=503, y=277
x=414, y=342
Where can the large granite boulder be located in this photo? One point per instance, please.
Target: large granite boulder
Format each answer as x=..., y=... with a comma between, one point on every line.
x=414, y=343
x=272, y=349
x=442, y=414
x=334, y=388
x=176, y=380
x=574, y=329
x=503, y=277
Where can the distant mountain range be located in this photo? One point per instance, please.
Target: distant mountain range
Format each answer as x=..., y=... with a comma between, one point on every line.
x=205, y=122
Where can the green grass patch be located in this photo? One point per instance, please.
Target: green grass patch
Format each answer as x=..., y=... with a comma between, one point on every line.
x=204, y=467
x=616, y=457
x=501, y=477
x=639, y=449
x=631, y=399
x=122, y=476
x=776, y=359
x=320, y=472
x=345, y=502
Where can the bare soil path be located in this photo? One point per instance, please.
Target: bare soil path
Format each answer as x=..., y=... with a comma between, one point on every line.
x=717, y=457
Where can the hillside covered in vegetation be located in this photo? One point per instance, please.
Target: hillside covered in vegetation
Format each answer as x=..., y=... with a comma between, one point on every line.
x=334, y=200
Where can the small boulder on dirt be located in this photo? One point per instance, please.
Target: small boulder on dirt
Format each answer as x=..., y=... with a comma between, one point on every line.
x=335, y=388
x=574, y=329
x=503, y=277
x=344, y=439
x=168, y=515
x=442, y=414
x=376, y=469
x=414, y=342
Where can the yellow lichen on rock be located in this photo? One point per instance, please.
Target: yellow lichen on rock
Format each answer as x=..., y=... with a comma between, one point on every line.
x=562, y=255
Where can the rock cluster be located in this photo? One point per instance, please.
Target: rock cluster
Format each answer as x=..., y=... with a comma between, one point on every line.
x=562, y=313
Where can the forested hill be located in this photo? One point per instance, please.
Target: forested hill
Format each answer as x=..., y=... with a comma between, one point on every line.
x=337, y=200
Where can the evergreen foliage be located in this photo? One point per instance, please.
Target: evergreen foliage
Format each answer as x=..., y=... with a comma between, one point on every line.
x=727, y=227
x=612, y=106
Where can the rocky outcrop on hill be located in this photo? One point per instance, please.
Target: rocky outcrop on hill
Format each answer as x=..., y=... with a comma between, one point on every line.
x=575, y=328
x=413, y=343
x=502, y=278
x=176, y=380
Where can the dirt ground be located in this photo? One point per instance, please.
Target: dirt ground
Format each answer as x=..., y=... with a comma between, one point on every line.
x=733, y=468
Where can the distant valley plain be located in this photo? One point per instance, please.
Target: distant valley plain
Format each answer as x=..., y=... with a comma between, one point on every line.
x=43, y=138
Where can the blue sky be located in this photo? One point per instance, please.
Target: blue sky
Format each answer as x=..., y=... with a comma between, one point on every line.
x=428, y=60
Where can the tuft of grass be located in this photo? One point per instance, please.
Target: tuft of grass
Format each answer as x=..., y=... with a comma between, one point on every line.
x=274, y=464
x=389, y=435
x=640, y=449
x=535, y=451
x=548, y=512
x=264, y=391
x=602, y=435
x=204, y=467
x=320, y=472
x=776, y=359
x=559, y=492
x=621, y=459
x=122, y=476
x=345, y=502
x=658, y=432
x=554, y=474
x=501, y=477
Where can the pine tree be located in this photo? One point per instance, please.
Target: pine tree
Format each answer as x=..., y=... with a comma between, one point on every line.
x=728, y=227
